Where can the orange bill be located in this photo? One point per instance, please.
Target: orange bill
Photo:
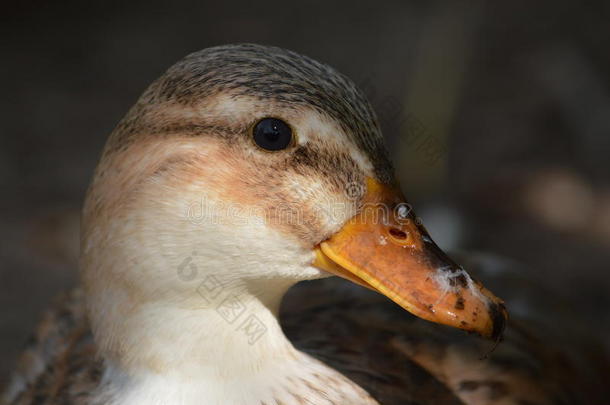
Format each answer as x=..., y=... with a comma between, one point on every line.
x=386, y=249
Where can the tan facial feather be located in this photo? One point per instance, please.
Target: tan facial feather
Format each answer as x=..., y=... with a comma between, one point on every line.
x=286, y=192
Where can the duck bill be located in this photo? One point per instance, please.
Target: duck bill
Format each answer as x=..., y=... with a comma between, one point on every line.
x=386, y=249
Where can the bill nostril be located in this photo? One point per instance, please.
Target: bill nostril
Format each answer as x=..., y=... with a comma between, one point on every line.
x=401, y=238
x=398, y=234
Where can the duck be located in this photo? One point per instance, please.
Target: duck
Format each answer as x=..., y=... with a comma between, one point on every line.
x=244, y=241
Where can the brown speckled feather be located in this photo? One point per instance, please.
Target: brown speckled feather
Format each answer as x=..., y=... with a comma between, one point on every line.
x=401, y=359
x=59, y=365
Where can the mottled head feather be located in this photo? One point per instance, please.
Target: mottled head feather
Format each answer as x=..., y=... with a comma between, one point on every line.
x=270, y=74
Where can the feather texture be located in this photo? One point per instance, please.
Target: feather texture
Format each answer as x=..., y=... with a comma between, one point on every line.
x=398, y=358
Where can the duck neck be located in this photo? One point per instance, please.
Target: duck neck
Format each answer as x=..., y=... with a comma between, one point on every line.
x=219, y=330
x=224, y=345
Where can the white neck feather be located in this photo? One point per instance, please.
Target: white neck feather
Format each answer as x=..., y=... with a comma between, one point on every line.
x=230, y=351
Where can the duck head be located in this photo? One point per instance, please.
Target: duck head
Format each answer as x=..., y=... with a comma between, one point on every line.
x=241, y=171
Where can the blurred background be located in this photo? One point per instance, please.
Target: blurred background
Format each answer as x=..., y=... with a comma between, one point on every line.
x=497, y=118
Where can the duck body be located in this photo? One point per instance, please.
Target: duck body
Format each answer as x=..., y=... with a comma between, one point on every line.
x=240, y=172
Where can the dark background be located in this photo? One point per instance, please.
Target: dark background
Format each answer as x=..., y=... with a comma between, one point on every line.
x=497, y=117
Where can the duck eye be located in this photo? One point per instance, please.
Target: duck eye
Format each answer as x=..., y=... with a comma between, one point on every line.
x=272, y=134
